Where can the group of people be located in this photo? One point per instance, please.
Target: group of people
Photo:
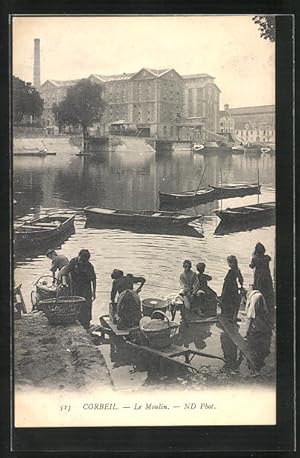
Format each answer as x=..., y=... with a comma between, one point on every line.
x=197, y=294
x=259, y=301
x=77, y=277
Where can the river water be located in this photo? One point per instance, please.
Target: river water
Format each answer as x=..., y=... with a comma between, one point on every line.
x=131, y=180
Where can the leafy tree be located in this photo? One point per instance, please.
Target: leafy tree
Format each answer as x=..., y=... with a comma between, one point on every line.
x=26, y=100
x=266, y=26
x=82, y=106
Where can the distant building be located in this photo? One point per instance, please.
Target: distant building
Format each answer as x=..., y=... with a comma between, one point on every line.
x=254, y=124
x=255, y=135
x=226, y=121
x=159, y=103
x=202, y=99
x=150, y=99
x=53, y=91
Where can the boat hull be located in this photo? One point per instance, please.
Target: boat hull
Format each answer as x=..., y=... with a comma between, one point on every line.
x=255, y=150
x=243, y=216
x=129, y=220
x=24, y=239
x=31, y=153
x=227, y=192
x=185, y=199
x=213, y=150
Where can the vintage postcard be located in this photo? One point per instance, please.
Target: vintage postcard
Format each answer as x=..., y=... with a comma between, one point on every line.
x=144, y=200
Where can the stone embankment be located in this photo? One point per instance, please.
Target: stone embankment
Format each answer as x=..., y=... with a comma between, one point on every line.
x=62, y=357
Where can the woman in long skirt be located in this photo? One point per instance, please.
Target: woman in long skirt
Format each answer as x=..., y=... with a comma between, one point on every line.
x=230, y=298
x=262, y=275
x=259, y=328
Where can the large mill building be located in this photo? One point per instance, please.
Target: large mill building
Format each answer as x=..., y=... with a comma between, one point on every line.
x=160, y=103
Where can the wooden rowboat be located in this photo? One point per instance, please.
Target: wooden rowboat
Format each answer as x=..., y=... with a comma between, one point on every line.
x=44, y=230
x=190, y=198
x=131, y=218
x=186, y=198
x=248, y=214
x=174, y=355
x=40, y=152
x=235, y=190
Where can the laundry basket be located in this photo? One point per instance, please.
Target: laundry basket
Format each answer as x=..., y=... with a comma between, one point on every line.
x=62, y=310
x=159, y=333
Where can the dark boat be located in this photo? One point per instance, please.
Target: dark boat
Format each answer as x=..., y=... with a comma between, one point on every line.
x=237, y=149
x=190, y=198
x=253, y=149
x=129, y=218
x=45, y=230
x=40, y=152
x=211, y=148
x=235, y=190
x=248, y=214
x=187, y=198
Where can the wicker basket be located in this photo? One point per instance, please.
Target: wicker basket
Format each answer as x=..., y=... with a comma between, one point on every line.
x=160, y=338
x=62, y=310
x=45, y=288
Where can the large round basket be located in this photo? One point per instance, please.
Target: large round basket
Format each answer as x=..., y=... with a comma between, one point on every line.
x=152, y=304
x=62, y=310
x=162, y=335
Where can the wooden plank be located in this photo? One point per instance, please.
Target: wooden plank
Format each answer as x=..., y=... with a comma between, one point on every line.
x=18, y=292
x=113, y=327
x=237, y=339
x=164, y=353
x=213, y=319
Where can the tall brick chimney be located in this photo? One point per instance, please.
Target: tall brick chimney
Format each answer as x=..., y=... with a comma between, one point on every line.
x=36, y=64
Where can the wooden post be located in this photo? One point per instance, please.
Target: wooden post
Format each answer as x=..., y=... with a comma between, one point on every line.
x=221, y=189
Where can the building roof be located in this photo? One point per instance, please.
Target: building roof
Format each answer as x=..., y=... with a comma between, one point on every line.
x=158, y=72
x=252, y=110
x=127, y=76
x=197, y=75
x=106, y=78
x=67, y=83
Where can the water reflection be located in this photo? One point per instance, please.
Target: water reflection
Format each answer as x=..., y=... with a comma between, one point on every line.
x=129, y=180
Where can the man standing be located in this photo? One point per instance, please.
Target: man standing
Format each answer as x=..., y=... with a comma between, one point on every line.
x=59, y=261
x=83, y=283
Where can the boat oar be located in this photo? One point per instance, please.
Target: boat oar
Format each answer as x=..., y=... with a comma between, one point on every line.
x=200, y=181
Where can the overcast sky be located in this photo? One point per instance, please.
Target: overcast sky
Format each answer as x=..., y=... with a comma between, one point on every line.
x=227, y=47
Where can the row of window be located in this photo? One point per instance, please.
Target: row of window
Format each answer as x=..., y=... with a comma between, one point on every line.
x=252, y=132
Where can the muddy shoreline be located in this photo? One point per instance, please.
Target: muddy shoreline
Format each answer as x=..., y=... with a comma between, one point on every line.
x=58, y=357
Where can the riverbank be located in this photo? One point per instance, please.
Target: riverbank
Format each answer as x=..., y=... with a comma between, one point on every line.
x=62, y=357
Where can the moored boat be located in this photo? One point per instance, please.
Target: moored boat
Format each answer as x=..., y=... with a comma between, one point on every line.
x=211, y=148
x=247, y=214
x=44, y=230
x=40, y=152
x=186, y=198
x=198, y=146
x=253, y=149
x=137, y=217
x=237, y=149
x=235, y=190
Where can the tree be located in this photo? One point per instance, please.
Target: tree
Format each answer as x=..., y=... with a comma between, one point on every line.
x=82, y=106
x=26, y=100
x=266, y=26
